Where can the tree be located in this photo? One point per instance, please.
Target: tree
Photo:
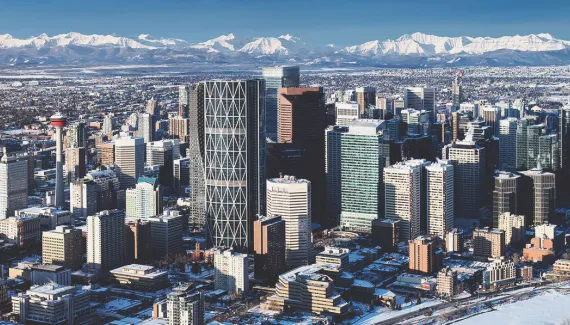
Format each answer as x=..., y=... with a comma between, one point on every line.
x=419, y=300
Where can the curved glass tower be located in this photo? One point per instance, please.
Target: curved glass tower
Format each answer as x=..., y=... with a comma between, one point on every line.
x=234, y=160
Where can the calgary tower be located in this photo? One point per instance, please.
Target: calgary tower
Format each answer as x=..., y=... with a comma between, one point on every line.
x=59, y=121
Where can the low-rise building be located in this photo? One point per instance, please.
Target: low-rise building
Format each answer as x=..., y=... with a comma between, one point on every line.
x=140, y=277
x=447, y=282
x=49, y=217
x=386, y=233
x=39, y=274
x=488, y=243
x=500, y=273
x=51, y=304
x=336, y=256
x=22, y=231
x=63, y=246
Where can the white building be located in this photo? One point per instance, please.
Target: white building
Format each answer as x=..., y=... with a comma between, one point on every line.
x=146, y=199
x=402, y=191
x=290, y=198
x=185, y=307
x=162, y=152
x=440, y=203
x=106, y=241
x=13, y=185
x=470, y=107
x=346, y=113
x=508, y=144
x=231, y=271
x=513, y=226
x=501, y=272
x=129, y=158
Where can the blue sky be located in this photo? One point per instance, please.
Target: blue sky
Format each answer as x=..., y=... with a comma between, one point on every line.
x=340, y=22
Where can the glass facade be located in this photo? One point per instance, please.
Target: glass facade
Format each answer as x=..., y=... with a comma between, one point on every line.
x=275, y=78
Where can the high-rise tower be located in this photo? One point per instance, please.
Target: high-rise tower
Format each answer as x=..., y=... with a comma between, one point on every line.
x=275, y=78
x=58, y=121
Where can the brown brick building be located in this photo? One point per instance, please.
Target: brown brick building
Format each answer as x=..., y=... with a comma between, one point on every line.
x=488, y=243
x=269, y=248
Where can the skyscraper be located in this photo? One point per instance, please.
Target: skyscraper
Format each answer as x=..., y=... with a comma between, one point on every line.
x=148, y=200
x=539, y=196
x=75, y=163
x=178, y=128
x=185, y=307
x=402, y=184
x=13, y=185
x=290, y=198
x=269, y=248
x=181, y=172
x=346, y=113
x=356, y=156
x=163, y=153
x=106, y=241
x=564, y=143
x=146, y=127
x=275, y=78
x=421, y=98
x=107, y=127
x=365, y=96
x=231, y=272
x=63, y=246
x=492, y=115
x=456, y=91
x=508, y=144
x=440, y=198
x=183, y=101
x=469, y=161
x=58, y=121
x=302, y=122
x=506, y=195
x=234, y=159
x=129, y=155
x=77, y=135
x=513, y=226
x=196, y=153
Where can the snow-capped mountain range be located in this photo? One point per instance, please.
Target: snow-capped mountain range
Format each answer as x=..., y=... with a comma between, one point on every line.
x=409, y=49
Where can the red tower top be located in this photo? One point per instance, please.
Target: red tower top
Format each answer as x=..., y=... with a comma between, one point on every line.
x=58, y=120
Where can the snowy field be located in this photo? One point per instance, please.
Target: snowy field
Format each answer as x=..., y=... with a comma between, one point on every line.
x=548, y=308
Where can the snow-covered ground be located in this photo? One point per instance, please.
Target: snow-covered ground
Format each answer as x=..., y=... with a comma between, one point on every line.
x=548, y=308
x=383, y=313
x=121, y=304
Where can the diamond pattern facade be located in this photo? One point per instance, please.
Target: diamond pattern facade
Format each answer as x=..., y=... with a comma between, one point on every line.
x=234, y=159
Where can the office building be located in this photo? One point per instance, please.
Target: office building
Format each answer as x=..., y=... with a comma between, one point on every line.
x=196, y=153
x=440, y=198
x=50, y=217
x=39, y=274
x=107, y=126
x=231, y=272
x=337, y=256
x=14, y=185
x=454, y=240
x=290, y=292
x=140, y=278
x=506, y=195
x=129, y=155
x=488, y=243
x=286, y=159
x=422, y=255
x=106, y=241
x=25, y=232
x=63, y=246
x=166, y=234
x=365, y=97
x=77, y=135
x=421, y=98
x=500, y=273
x=386, y=233
x=147, y=197
x=185, y=307
x=75, y=163
x=183, y=101
x=302, y=121
x=456, y=95
x=447, y=282
x=538, y=201
x=236, y=194
x=402, y=190
x=99, y=190
x=145, y=127
x=181, y=173
x=290, y=198
x=492, y=115
x=513, y=226
x=276, y=78
x=508, y=144
x=106, y=153
x=269, y=248
x=346, y=113
x=469, y=164
x=548, y=152
x=163, y=153
x=564, y=143
x=416, y=122
x=460, y=124
x=178, y=128
x=51, y=304
x=138, y=241
x=356, y=156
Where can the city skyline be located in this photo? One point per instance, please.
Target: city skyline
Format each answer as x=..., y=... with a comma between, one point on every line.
x=197, y=21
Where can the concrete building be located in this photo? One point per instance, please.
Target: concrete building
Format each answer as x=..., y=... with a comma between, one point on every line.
x=346, y=113
x=51, y=304
x=77, y=135
x=335, y=256
x=356, y=157
x=422, y=255
x=39, y=274
x=49, y=217
x=106, y=153
x=276, y=78
x=492, y=115
x=22, y=231
x=506, y=195
x=75, y=163
x=234, y=136
x=98, y=191
x=231, y=272
x=290, y=198
x=386, y=233
x=365, y=96
x=163, y=153
x=178, y=128
x=14, y=185
x=148, y=198
x=166, y=234
x=181, y=173
x=447, y=282
x=500, y=273
x=508, y=144
x=183, y=101
x=129, y=158
x=63, y=246
x=454, y=241
x=421, y=98
x=564, y=144
x=140, y=278
x=538, y=196
x=440, y=198
x=138, y=241
x=145, y=128
x=513, y=226
x=488, y=243
x=308, y=289
x=403, y=197
x=269, y=248
x=185, y=306
x=106, y=241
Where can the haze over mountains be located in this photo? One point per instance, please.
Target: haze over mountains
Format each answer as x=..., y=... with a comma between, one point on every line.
x=416, y=49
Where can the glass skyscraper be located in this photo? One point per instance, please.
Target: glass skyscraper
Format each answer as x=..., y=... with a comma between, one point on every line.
x=234, y=160
x=275, y=78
